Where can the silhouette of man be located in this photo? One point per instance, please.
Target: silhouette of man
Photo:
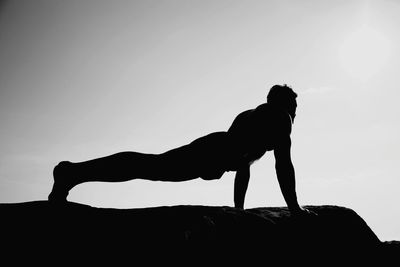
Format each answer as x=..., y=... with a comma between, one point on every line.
x=251, y=135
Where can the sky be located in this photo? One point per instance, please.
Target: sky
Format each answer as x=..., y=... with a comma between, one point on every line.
x=86, y=79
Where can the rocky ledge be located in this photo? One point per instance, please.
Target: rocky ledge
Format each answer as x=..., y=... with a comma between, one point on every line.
x=37, y=230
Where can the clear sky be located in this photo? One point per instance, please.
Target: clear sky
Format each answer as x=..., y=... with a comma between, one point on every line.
x=84, y=79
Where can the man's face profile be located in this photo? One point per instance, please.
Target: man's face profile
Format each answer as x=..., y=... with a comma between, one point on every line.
x=292, y=108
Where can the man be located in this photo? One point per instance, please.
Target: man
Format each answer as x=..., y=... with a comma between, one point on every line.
x=251, y=135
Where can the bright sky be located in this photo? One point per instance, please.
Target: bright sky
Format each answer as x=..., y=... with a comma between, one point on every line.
x=84, y=79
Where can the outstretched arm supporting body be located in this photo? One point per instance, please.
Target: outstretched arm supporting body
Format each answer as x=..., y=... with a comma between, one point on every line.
x=286, y=174
x=241, y=183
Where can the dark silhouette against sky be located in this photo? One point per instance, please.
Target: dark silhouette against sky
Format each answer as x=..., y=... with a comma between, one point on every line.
x=251, y=135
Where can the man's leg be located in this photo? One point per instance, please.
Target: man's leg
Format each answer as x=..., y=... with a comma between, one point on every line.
x=119, y=167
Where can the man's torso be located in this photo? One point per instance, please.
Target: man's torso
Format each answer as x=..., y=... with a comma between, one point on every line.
x=256, y=131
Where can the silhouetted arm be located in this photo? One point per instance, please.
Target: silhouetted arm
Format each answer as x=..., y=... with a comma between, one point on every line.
x=240, y=188
x=286, y=174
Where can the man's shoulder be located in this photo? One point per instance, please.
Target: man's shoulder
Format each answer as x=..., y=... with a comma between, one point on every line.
x=268, y=110
x=276, y=117
x=263, y=106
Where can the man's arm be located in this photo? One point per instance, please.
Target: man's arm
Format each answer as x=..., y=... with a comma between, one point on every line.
x=286, y=174
x=241, y=183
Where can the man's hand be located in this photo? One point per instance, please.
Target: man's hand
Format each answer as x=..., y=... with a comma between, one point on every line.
x=302, y=212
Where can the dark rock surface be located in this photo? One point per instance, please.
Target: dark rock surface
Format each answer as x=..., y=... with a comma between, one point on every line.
x=38, y=230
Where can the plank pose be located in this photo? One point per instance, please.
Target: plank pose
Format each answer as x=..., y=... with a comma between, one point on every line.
x=251, y=135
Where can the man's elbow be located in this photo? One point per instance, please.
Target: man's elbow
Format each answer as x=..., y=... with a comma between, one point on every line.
x=283, y=164
x=284, y=169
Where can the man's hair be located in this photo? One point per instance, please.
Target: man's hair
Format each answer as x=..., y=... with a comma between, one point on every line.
x=280, y=94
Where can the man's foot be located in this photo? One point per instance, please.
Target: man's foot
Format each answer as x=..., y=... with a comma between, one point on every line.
x=63, y=182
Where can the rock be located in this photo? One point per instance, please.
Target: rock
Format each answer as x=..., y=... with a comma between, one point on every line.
x=181, y=233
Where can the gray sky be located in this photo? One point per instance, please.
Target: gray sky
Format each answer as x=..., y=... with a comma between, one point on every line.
x=84, y=79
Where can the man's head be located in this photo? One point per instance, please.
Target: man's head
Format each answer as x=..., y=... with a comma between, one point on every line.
x=284, y=97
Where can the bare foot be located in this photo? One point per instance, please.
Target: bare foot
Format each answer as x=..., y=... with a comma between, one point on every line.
x=63, y=182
